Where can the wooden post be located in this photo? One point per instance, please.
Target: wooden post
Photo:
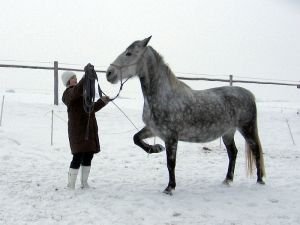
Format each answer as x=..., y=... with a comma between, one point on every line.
x=291, y=134
x=55, y=82
x=2, y=105
x=230, y=83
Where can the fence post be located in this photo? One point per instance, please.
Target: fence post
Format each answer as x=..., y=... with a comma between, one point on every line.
x=230, y=83
x=291, y=134
x=55, y=82
x=2, y=105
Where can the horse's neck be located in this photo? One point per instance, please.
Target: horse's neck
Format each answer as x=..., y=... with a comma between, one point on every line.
x=156, y=77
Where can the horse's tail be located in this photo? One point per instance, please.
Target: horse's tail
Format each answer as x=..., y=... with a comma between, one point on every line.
x=250, y=157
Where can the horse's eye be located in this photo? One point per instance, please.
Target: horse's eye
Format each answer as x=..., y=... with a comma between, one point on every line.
x=128, y=54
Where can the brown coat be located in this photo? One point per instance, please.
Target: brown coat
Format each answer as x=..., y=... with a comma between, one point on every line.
x=78, y=119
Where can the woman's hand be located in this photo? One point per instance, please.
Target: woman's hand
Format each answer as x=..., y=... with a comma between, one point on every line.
x=105, y=99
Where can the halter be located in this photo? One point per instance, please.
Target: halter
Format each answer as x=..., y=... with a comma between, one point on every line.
x=120, y=89
x=119, y=67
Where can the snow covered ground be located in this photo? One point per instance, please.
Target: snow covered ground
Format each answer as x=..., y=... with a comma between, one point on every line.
x=127, y=183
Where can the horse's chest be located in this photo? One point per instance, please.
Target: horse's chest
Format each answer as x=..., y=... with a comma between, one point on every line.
x=153, y=118
x=161, y=119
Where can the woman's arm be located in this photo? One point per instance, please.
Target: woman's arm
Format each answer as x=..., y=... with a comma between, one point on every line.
x=100, y=103
x=73, y=93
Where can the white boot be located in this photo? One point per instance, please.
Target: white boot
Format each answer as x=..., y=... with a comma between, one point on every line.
x=85, y=172
x=72, y=176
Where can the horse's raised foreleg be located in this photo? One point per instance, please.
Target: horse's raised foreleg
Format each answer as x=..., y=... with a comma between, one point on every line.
x=228, y=140
x=143, y=134
x=171, y=149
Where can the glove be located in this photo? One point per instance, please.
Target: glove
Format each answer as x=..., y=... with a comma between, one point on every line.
x=90, y=72
x=105, y=99
x=88, y=67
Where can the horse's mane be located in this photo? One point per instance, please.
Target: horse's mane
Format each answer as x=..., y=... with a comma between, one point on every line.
x=171, y=76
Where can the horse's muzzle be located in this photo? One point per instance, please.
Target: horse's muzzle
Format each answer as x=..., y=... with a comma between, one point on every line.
x=111, y=75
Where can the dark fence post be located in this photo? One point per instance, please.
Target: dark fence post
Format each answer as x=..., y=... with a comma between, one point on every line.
x=55, y=82
x=230, y=80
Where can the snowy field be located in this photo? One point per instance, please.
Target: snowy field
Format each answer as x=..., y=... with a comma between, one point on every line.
x=127, y=184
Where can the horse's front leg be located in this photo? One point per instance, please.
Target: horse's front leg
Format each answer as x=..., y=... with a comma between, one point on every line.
x=143, y=134
x=171, y=146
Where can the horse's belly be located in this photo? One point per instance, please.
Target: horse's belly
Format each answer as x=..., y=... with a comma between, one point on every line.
x=197, y=139
x=200, y=135
x=200, y=128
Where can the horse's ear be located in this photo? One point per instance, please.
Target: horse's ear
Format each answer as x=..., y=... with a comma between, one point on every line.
x=146, y=40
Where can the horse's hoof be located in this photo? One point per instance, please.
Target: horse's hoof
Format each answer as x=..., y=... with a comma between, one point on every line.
x=227, y=182
x=157, y=148
x=261, y=182
x=168, y=191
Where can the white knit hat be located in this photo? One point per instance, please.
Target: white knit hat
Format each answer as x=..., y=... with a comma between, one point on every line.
x=66, y=76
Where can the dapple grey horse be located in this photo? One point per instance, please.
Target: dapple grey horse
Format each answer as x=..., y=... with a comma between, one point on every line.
x=175, y=112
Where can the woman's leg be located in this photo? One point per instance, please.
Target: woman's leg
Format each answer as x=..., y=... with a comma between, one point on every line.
x=85, y=168
x=73, y=171
x=87, y=158
x=76, y=161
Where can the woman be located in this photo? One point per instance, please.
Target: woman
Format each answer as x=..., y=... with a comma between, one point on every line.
x=83, y=147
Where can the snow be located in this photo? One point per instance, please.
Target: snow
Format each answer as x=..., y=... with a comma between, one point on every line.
x=127, y=183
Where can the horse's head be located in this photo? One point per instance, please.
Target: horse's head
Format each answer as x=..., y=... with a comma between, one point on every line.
x=125, y=65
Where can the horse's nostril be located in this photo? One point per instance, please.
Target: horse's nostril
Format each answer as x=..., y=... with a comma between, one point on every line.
x=108, y=73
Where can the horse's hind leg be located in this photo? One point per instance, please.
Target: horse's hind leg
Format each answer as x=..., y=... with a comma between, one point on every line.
x=143, y=134
x=250, y=134
x=228, y=140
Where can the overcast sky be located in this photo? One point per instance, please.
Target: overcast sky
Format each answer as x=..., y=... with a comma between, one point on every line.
x=247, y=38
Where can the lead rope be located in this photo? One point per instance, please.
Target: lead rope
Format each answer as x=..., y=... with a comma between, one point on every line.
x=112, y=100
x=120, y=89
x=89, y=93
